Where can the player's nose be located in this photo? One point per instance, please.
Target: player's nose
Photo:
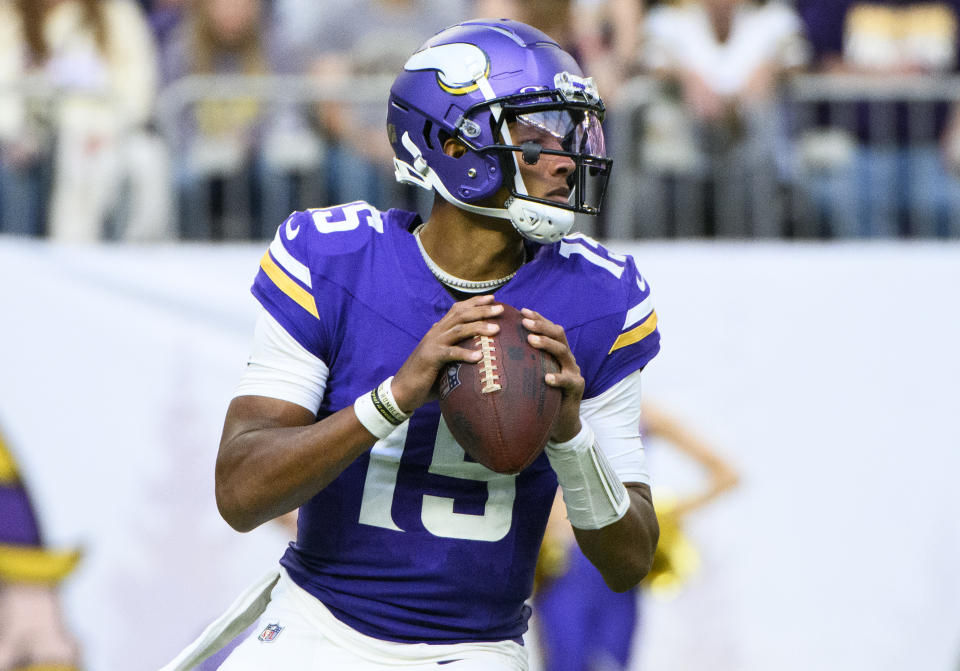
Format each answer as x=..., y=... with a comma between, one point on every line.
x=561, y=165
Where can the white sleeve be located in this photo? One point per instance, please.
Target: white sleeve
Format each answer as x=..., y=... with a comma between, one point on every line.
x=614, y=417
x=280, y=367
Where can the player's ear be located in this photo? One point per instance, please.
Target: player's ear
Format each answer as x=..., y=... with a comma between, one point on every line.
x=453, y=147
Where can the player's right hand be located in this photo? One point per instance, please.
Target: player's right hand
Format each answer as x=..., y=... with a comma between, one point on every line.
x=414, y=384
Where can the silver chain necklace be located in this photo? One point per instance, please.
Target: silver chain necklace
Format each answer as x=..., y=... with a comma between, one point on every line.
x=466, y=286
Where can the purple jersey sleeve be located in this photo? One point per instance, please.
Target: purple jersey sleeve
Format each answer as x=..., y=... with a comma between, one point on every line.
x=631, y=332
x=291, y=274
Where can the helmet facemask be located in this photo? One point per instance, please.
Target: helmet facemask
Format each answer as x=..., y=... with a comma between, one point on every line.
x=536, y=126
x=530, y=133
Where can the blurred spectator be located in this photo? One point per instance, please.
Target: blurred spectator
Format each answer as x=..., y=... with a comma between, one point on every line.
x=882, y=172
x=716, y=126
x=164, y=17
x=609, y=35
x=95, y=61
x=600, y=34
x=236, y=152
x=33, y=634
x=554, y=17
x=582, y=624
x=369, y=38
x=24, y=145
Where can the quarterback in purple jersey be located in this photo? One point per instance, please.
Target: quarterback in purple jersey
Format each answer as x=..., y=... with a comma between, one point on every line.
x=408, y=553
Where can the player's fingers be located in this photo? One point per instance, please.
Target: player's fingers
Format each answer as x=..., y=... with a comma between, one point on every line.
x=483, y=299
x=457, y=332
x=475, y=302
x=467, y=311
x=567, y=380
x=464, y=314
x=537, y=323
x=454, y=353
x=558, y=348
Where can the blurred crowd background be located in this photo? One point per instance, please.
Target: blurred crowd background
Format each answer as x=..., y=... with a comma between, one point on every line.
x=729, y=121
x=213, y=119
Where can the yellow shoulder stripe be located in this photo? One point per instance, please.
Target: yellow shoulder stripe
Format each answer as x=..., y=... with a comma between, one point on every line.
x=636, y=334
x=19, y=563
x=297, y=293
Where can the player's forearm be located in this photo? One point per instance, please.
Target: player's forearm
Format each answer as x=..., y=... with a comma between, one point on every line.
x=623, y=551
x=267, y=471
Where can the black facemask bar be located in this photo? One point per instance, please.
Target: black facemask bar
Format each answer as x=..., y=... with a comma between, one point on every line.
x=589, y=179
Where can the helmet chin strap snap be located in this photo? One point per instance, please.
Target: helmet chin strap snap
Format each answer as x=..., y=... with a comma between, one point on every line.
x=539, y=222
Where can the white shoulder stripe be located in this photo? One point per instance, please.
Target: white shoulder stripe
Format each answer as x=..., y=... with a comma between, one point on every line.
x=568, y=248
x=287, y=262
x=638, y=312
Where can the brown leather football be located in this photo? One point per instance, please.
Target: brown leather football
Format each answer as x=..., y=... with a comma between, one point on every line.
x=499, y=409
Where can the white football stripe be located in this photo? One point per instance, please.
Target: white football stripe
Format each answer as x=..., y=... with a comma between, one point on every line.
x=567, y=248
x=638, y=312
x=287, y=262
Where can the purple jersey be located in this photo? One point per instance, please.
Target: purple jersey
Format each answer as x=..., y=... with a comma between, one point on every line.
x=414, y=541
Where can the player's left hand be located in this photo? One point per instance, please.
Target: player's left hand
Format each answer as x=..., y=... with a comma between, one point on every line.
x=550, y=337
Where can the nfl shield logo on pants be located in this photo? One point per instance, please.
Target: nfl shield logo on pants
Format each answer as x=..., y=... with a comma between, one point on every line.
x=270, y=633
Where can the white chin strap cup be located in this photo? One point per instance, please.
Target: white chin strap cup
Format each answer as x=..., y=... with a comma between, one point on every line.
x=539, y=222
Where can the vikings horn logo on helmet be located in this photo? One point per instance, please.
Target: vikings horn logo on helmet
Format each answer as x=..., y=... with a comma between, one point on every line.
x=458, y=66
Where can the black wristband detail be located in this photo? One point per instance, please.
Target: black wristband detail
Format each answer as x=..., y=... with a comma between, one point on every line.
x=384, y=409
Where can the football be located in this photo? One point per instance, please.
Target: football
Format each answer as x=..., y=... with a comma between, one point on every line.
x=499, y=409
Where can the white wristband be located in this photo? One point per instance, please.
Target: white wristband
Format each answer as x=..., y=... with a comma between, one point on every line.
x=594, y=495
x=378, y=411
x=387, y=405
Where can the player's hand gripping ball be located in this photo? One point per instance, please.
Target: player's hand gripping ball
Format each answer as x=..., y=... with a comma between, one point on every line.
x=499, y=409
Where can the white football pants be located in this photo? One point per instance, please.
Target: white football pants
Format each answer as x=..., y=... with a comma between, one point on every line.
x=296, y=631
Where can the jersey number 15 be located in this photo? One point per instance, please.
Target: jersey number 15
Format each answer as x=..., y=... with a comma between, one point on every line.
x=436, y=512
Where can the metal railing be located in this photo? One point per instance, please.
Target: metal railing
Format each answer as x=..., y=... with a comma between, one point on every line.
x=833, y=156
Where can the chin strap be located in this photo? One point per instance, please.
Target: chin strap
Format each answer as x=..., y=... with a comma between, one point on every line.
x=538, y=222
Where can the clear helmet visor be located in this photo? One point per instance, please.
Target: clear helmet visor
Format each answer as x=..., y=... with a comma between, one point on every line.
x=571, y=130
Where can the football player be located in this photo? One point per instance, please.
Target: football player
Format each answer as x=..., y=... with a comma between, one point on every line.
x=409, y=554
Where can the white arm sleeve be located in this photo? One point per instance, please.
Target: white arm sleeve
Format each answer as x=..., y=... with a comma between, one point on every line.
x=614, y=416
x=280, y=367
